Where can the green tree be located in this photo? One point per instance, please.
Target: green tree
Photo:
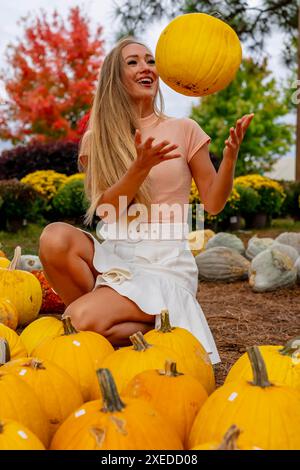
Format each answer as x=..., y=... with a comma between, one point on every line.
x=253, y=90
x=252, y=22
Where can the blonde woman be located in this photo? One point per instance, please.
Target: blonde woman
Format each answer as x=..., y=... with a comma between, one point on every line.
x=133, y=151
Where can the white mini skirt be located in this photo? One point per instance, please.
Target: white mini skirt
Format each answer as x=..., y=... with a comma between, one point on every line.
x=156, y=274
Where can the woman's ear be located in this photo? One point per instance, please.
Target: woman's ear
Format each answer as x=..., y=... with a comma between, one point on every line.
x=83, y=161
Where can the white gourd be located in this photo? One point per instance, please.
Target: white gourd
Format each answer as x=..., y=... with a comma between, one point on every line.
x=228, y=240
x=257, y=245
x=222, y=264
x=270, y=270
x=286, y=249
x=290, y=238
x=29, y=263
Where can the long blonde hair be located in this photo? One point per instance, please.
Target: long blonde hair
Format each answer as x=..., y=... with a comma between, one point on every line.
x=109, y=141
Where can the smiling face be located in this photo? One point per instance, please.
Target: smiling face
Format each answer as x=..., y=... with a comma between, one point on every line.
x=139, y=72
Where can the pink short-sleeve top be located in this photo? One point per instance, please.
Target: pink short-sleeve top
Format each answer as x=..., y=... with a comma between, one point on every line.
x=170, y=181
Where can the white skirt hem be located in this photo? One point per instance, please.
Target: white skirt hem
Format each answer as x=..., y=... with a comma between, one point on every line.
x=153, y=292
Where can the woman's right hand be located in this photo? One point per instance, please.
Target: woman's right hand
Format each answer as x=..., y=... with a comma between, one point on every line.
x=148, y=155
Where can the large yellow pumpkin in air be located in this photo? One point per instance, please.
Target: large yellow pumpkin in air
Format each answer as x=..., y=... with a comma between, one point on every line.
x=198, y=54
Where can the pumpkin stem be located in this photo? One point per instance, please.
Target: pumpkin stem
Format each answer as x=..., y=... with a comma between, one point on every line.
x=292, y=346
x=111, y=398
x=14, y=262
x=68, y=327
x=229, y=441
x=170, y=370
x=139, y=342
x=4, y=352
x=165, y=325
x=1, y=427
x=260, y=375
x=35, y=364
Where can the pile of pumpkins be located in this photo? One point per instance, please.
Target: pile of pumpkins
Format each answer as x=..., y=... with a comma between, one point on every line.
x=267, y=263
x=24, y=290
x=61, y=389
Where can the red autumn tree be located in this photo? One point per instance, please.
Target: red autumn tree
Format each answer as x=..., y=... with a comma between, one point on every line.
x=51, y=77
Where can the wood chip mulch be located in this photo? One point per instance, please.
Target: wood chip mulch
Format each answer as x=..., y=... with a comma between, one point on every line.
x=239, y=318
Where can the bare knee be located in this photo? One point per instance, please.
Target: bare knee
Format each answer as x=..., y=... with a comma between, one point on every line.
x=55, y=240
x=84, y=320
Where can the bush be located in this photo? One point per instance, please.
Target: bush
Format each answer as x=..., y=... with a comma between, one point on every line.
x=271, y=192
x=249, y=200
x=19, y=201
x=291, y=204
x=70, y=201
x=46, y=183
x=212, y=221
x=59, y=156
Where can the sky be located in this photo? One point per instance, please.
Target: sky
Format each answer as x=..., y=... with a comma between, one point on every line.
x=101, y=12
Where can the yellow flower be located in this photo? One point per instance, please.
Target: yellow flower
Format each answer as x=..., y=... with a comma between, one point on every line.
x=45, y=182
x=257, y=182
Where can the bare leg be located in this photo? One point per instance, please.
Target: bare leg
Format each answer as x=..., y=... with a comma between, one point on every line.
x=107, y=312
x=119, y=334
x=67, y=257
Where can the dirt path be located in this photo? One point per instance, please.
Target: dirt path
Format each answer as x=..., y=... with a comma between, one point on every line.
x=239, y=318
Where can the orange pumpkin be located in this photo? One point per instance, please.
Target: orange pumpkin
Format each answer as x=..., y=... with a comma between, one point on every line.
x=176, y=396
x=79, y=353
x=4, y=262
x=8, y=313
x=16, y=436
x=282, y=362
x=19, y=402
x=267, y=413
x=58, y=393
x=40, y=329
x=16, y=346
x=194, y=359
x=127, y=362
x=22, y=288
x=229, y=442
x=115, y=424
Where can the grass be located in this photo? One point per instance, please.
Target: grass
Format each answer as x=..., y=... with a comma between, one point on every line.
x=28, y=236
x=286, y=224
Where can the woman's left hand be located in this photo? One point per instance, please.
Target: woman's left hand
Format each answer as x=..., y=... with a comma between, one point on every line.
x=232, y=144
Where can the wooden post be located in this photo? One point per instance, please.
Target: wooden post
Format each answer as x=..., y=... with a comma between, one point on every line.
x=298, y=106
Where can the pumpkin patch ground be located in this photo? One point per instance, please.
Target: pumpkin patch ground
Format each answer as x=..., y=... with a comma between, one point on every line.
x=240, y=318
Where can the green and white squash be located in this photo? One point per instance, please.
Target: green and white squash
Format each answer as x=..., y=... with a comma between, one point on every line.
x=271, y=269
x=29, y=263
x=290, y=238
x=222, y=264
x=228, y=240
x=286, y=249
x=257, y=245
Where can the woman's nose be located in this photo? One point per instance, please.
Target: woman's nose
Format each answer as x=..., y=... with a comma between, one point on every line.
x=144, y=66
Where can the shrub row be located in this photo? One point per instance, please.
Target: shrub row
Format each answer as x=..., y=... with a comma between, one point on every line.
x=47, y=195
x=59, y=156
x=252, y=195
x=43, y=197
